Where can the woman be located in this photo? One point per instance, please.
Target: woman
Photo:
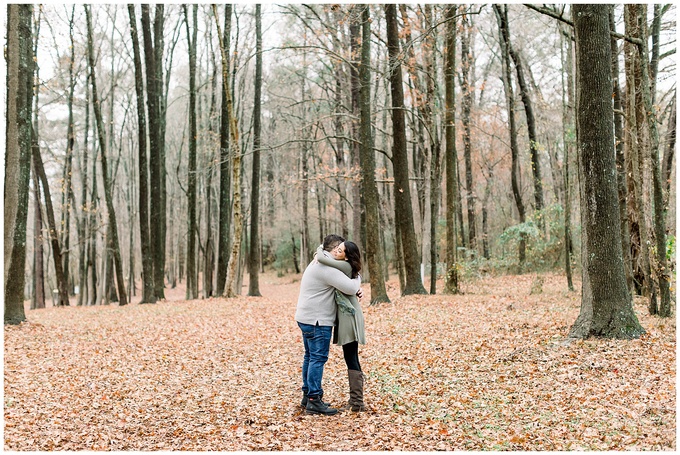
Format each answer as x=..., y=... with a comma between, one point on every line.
x=349, y=331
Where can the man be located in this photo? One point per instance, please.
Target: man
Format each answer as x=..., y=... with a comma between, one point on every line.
x=315, y=315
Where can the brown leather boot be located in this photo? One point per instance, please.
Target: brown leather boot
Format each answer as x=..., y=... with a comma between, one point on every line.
x=356, y=391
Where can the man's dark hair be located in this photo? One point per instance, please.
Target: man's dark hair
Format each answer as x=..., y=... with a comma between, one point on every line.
x=331, y=241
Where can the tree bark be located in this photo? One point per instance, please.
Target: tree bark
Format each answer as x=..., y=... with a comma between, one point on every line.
x=531, y=126
x=237, y=220
x=115, y=244
x=225, y=165
x=606, y=305
x=467, y=89
x=18, y=156
x=153, y=89
x=192, y=273
x=502, y=16
x=669, y=153
x=148, y=295
x=451, y=159
x=38, y=300
x=404, y=210
x=435, y=143
x=620, y=154
x=568, y=133
x=369, y=189
x=254, y=260
x=62, y=284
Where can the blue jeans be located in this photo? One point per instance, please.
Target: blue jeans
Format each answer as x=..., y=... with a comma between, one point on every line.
x=317, y=341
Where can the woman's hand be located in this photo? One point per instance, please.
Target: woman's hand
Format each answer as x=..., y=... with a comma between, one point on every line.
x=360, y=293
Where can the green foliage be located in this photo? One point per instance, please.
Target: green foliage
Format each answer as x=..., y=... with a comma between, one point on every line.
x=283, y=258
x=544, y=248
x=670, y=248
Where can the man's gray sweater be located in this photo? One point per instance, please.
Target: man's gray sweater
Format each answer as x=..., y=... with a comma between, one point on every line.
x=316, y=302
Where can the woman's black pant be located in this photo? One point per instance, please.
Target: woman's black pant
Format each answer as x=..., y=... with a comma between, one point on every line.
x=351, y=353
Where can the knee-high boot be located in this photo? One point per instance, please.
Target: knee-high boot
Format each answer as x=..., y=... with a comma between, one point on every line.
x=356, y=391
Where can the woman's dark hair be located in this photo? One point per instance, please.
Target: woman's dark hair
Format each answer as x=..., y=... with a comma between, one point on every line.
x=353, y=256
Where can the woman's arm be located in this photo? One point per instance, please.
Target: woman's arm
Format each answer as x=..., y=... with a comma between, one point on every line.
x=325, y=258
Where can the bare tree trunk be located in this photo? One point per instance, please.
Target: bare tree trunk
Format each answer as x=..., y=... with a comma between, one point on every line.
x=606, y=307
x=404, y=210
x=153, y=88
x=620, y=155
x=502, y=16
x=120, y=279
x=225, y=160
x=531, y=126
x=435, y=144
x=62, y=285
x=635, y=145
x=236, y=173
x=451, y=286
x=148, y=295
x=38, y=300
x=467, y=89
x=668, y=155
x=192, y=273
x=67, y=190
x=368, y=187
x=568, y=131
x=254, y=260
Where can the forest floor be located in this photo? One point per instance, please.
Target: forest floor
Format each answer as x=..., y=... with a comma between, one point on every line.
x=490, y=369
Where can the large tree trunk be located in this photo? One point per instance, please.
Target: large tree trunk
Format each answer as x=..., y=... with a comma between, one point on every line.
x=148, y=295
x=115, y=244
x=368, y=187
x=156, y=165
x=606, y=306
x=18, y=156
x=451, y=159
x=237, y=220
x=192, y=273
x=225, y=165
x=620, y=154
x=404, y=210
x=254, y=260
x=502, y=16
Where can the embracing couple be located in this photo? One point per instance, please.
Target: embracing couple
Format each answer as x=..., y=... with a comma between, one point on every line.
x=328, y=295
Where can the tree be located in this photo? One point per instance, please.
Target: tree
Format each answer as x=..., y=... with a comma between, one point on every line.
x=254, y=260
x=235, y=153
x=368, y=187
x=450, y=157
x=468, y=90
x=156, y=154
x=403, y=208
x=62, y=284
x=148, y=295
x=531, y=126
x=502, y=16
x=225, y=163
x=192, y=272
x=114, y=244
x=606, y=304
x=20, y=69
